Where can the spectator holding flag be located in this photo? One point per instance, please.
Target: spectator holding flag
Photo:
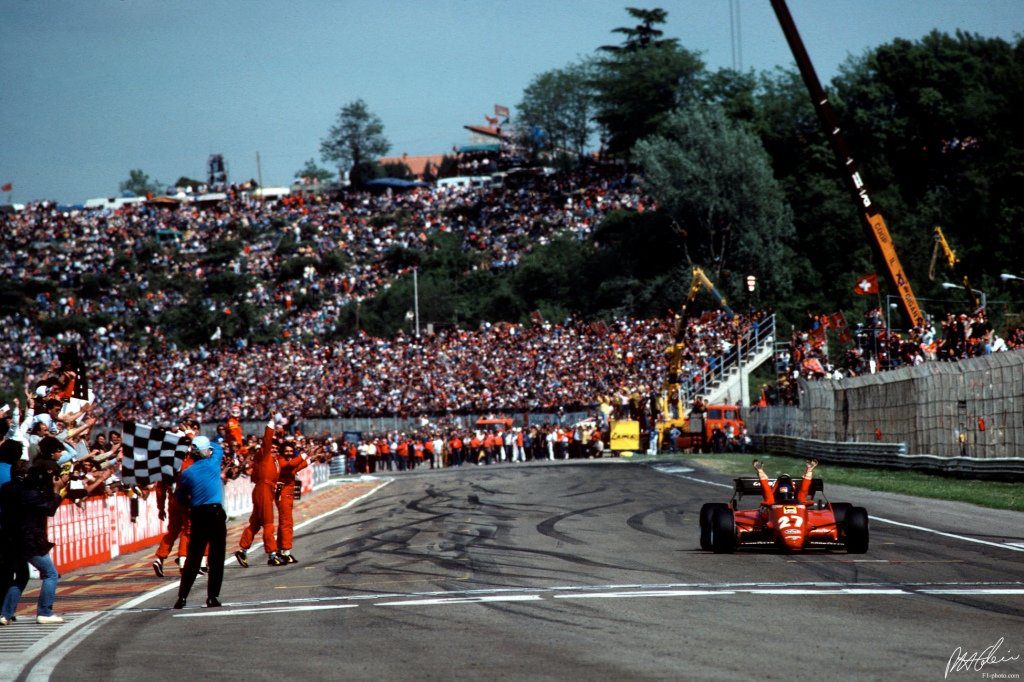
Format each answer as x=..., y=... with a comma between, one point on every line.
x=201, y=489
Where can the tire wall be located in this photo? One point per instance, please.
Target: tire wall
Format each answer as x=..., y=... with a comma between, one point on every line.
x=972, y=408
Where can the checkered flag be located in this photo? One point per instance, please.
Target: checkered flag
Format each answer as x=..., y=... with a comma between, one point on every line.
x=150, y=454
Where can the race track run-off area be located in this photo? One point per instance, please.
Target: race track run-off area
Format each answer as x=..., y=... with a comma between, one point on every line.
x=578, y=571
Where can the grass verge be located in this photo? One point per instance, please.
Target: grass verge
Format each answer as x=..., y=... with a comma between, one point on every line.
x=994, y=494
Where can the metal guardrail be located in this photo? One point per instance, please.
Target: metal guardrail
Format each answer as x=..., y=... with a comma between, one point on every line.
x=891, y=456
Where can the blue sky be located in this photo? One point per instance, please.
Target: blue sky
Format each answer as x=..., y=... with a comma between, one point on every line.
x=90, y=89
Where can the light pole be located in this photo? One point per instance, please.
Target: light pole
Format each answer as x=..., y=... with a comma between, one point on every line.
x=416, y=298
x=950, y=285
x=889, y=305
x=1007, y=277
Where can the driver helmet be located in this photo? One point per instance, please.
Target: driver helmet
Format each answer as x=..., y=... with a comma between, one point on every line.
x=784, y=489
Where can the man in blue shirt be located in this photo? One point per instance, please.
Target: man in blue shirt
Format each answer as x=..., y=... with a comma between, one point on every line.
x=201, y=489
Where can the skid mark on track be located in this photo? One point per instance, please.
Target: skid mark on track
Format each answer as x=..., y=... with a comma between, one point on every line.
x=636, y=521
x=547, y=527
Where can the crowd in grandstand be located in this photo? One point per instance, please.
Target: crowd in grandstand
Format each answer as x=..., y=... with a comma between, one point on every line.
x=332, y=250
x=875, y=347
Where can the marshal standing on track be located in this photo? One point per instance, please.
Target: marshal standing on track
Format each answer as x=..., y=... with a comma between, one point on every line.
x=201, y=489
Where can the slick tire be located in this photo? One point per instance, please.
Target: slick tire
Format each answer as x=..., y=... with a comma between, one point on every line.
x=855, y=527
x=705, y=522
x=723, y=531
x=839, y=510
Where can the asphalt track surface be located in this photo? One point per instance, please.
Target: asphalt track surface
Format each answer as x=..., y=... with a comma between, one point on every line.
x=579, y=571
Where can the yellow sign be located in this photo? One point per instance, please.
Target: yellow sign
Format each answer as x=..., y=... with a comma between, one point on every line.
x=625, y=435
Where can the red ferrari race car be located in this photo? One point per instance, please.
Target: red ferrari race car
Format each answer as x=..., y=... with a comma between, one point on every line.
x=790, y=516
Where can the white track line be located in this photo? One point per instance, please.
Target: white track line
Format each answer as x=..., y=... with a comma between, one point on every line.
x=1013, y=547
x=211, y=613
x=1000, y=545
x=142, y=598
x=461, y=600
x=45, y=666
x=83, y=627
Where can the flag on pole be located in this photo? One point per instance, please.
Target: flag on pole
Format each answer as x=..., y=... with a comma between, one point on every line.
x=71, y=360
x=868, y=284
x=7, y=187
x=151, y=454
x=500, y=111
x=814, y=365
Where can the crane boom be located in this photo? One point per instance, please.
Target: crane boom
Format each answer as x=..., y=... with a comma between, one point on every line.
x=699, y=280
x=873, y=222
x=951, y=262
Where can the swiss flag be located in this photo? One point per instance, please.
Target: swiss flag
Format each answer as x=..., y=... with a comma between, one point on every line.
x=868, y=284
x=7, y=187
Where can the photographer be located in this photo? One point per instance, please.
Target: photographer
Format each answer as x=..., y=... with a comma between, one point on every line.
x=26, y=505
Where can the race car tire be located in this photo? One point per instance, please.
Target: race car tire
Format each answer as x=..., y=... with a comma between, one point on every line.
x=839, y=510
x=705, y=522
x=723, y=531
x=855, y=529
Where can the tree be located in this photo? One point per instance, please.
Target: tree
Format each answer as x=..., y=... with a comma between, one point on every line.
x=714, y=179
x=830, y=245
x=185, y=181
x=557, y=109
x=449, y=167
x=643, y=80
x=357, y=138
x=138, y=183
x=429, y=172
x=398, y=169
x=935, y=125
x=643, y=35
x=313, y=174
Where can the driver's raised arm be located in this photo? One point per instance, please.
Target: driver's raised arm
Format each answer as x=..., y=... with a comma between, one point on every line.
x=805, y=484
x=767, y=494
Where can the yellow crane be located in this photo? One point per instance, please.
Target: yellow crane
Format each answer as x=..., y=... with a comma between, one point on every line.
x=871, y=218
x=672, y=406
x=951, y=262
x=625, y=434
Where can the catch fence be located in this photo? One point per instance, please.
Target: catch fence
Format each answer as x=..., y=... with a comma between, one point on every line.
x=971, y=408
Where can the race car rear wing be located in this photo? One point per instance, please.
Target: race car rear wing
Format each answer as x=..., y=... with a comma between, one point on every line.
x=751, y=485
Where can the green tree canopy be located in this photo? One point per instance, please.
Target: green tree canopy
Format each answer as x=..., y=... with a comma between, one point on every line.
x=398, y=169
x=557, y=109
x=713, y=177
x=639, y=84
x=185, y=181
x=935, y=125
x=311, y=172
x=643, y=35
x=356, y=138
x=139, y=184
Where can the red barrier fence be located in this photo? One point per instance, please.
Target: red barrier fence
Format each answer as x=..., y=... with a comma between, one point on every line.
x=106, y=527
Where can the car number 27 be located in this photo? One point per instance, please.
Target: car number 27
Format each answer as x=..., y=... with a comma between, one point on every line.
x=787, y=521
